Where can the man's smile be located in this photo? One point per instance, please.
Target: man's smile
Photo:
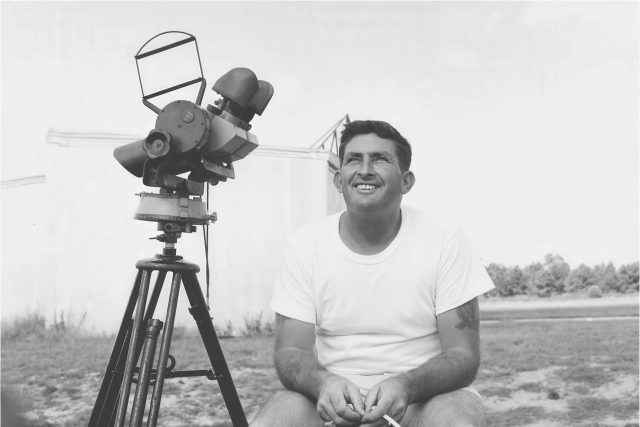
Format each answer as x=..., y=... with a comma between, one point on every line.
x=367, y=188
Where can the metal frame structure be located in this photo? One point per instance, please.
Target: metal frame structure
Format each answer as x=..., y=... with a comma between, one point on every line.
x=331, y=135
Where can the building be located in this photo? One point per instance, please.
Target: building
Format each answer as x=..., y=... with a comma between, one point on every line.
x=70, y=242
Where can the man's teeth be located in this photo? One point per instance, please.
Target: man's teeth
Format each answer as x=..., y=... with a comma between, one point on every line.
x=366, y=187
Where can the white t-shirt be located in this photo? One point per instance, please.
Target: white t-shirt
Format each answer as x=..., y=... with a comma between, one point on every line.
x=376, y=314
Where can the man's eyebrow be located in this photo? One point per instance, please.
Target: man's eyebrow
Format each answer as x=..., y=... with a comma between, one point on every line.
x=372, y=153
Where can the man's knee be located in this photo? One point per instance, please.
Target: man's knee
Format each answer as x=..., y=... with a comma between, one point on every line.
x=287, y=408
x=460, y=408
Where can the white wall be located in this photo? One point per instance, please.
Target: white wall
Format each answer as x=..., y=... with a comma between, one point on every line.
x=53, y=262
x=26, y=259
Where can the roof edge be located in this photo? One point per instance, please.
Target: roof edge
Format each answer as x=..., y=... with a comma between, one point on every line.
x=76, y=139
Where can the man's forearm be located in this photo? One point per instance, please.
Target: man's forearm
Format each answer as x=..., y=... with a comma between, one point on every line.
x=300, y=371
x=448, y=371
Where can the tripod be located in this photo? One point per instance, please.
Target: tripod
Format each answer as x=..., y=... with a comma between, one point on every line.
x=140, y=334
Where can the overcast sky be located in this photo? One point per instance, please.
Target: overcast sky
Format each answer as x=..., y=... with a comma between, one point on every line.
x=523, y=116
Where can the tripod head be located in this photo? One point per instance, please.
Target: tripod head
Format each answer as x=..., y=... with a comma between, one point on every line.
x=175, y=213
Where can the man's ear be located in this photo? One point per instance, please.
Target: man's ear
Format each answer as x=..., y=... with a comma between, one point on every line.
x=337, y=181
x=408, y=179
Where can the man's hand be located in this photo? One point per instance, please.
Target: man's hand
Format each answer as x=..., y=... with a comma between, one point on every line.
x=340, y=401
x=390, y=397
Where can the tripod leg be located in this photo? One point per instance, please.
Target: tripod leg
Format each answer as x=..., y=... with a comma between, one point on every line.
x=148, y=351
x=208, y=333
x=131, y=354
x=104, y=409
x=164, y=350
x=155, y=295
x=106, y=400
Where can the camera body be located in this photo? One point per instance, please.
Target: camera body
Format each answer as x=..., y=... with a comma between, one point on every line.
x=202, y=141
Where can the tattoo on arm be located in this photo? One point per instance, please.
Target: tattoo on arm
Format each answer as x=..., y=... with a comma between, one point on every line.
x=469, y=315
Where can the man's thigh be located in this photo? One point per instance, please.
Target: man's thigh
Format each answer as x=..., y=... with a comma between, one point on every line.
x=288, y=408
x=459, y=408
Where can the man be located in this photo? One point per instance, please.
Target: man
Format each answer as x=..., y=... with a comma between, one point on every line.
x=389, y=298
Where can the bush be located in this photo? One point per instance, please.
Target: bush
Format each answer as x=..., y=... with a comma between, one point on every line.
x=226, y=331
x=30, y=326
x=34, y=327
x=253, y=324
x=595, y=292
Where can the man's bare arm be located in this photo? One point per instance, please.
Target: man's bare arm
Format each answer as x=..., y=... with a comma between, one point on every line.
x=296, y=365
x=337, y=399
x=457, y=365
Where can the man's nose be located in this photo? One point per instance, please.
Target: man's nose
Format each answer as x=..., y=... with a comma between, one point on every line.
x=366, y=166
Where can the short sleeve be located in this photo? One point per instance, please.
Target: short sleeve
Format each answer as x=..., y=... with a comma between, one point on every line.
x=461, y=275
x=293, y=292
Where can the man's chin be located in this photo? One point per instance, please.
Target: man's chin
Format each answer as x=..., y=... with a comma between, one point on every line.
x=365, y=205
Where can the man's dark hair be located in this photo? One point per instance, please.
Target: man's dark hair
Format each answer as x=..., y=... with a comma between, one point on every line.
x=383, y=130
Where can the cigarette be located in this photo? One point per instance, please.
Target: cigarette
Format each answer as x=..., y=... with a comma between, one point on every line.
x=391, y=421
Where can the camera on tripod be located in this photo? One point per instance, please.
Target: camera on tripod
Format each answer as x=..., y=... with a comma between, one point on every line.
x=204, y=142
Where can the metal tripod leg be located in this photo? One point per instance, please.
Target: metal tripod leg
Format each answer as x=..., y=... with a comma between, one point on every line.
x=164, y=349
x=103, y=413
x=123, y=399
x=105, y=402
x=208, y=333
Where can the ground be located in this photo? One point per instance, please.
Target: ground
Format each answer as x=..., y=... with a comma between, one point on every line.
x=569, y=371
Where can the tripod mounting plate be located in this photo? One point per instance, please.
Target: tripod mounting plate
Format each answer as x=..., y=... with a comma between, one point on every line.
x=172, y=207
x=161, y=264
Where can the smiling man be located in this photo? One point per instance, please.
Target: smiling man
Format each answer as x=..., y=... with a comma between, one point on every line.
x=376, y=307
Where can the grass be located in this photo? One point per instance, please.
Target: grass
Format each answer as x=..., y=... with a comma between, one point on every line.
x=537, y=373
x=622, y=310
x=576, y=363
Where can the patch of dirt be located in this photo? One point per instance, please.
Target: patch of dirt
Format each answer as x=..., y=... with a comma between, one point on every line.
x=521, y=398
x=621, y=388
x=554, y=394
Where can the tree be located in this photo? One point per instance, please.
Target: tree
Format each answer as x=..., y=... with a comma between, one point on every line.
x=555, y=276
x=538, y=280
x=558, y=269
x=606, y=277
x=498, y=274
x=509, y=281
x=580, y=278
x=628, y=277
x=515, y=277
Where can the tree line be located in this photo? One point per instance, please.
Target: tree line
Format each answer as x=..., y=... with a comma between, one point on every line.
x=554, y=276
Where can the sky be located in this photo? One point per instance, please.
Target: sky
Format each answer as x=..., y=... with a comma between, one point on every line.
x=523, y=116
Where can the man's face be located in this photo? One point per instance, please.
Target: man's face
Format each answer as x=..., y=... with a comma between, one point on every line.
x=370, y=177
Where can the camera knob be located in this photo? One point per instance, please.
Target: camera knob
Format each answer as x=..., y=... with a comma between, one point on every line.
x=188, y=116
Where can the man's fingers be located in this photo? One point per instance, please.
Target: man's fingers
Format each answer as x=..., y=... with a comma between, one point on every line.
x=355, y=399
x=382, y=407
x=326, y=408
x=380, y=422
x=340, y=408
x=395, y=413
x=348, y=413
x=371, y=399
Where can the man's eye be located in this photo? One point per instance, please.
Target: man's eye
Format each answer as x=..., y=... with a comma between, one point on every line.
x=350, y=160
